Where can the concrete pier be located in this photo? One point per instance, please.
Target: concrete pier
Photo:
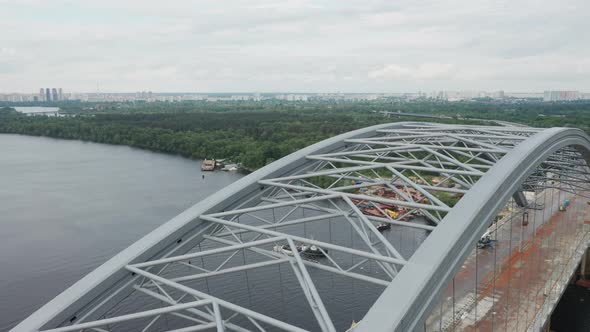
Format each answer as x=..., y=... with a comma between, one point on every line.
x=585, y=266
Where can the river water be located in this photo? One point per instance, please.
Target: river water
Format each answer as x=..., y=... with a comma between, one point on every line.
x=68, y=206
x=572, y=314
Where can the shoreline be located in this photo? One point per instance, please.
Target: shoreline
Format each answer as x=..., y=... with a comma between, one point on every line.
x=241, y=170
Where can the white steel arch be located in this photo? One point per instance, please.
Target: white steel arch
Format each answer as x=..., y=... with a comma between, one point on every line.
x=443, y=252
x=391, y=175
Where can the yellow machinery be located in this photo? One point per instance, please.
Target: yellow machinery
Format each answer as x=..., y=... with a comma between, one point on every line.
x=392, y=214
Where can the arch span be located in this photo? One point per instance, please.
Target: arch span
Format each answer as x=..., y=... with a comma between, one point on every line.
x=404, y=305
x=317, y=212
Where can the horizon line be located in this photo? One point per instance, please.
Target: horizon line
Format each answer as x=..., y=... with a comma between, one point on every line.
x=293, y=92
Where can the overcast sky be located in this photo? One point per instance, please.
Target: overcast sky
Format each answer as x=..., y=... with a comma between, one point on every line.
x=294, y=45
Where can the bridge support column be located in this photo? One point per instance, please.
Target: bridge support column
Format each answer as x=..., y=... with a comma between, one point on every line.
x=585, y=266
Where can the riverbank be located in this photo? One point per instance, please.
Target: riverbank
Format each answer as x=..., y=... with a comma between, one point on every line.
x=252, y=139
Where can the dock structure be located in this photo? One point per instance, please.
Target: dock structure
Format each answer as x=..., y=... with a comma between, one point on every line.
x=440, y=188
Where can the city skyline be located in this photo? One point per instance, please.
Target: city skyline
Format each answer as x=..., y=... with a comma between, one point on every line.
x=296, y=45
x=53, y=95
x=33, y=91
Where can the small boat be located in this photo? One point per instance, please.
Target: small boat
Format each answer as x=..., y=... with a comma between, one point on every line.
x=230, y=167
x=312, y=250
x=285, y=249
x=304, y=250
x=352, y=326
x=383, y=226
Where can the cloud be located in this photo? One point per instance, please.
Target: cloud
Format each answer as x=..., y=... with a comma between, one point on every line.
x=7, y=51
x=426, y=71
x=293, y=45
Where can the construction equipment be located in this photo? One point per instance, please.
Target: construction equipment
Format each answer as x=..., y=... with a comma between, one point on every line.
x=392, y=214
x=486, y=241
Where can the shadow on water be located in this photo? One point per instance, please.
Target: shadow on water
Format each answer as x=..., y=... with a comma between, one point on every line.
x=572, y=314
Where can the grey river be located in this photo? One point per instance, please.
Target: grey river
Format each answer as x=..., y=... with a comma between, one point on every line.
x=68, y=206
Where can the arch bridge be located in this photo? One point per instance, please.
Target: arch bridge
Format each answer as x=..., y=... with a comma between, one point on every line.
x=398, y=227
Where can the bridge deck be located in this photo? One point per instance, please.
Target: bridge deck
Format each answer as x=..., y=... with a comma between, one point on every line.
x=519, y=279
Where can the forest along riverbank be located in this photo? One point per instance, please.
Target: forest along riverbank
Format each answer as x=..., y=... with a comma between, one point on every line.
x=252, y=138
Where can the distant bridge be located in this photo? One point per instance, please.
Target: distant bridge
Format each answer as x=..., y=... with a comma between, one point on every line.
x=394, y=212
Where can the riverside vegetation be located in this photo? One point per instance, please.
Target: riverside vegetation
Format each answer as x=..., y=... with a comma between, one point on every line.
x=257, y=133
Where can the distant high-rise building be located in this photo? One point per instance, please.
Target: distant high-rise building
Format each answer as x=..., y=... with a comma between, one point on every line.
x=41, y=94
x=47, y=94
x=561, y=95
x=54, y=95
x=60, y=94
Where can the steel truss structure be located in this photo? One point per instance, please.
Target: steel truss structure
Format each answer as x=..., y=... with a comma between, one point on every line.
x=436, y=185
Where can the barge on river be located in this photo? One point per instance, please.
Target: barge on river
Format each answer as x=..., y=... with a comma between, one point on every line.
x=208, y=165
